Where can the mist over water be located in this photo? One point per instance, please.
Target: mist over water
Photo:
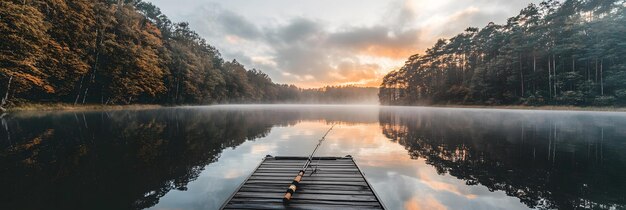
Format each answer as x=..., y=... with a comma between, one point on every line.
x=415, y=157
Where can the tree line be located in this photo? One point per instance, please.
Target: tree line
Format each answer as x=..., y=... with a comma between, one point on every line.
x=553, y=53
x=117, y=52
x=339, y=94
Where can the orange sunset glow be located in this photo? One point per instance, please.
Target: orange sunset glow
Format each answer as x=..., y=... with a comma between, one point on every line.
x=313, y=44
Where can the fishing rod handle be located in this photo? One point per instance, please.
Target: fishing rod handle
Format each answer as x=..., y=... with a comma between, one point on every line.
x=292, y=188
x=298, y=178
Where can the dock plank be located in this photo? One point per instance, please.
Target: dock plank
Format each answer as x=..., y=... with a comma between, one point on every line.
x=309, y=178
x=355, y=174
x=307, y=196
x=313, y=187
x=309, y=191
x=337, y=183
x=301, y=206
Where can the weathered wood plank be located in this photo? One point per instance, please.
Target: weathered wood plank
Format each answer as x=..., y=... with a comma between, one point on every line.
x=300, y=206
x=312, y=163
x=296, y=169
x=312, y=187
x=355, y=174
x=304, y=182
x=337, y=184
x=300, y=166
x=309, y=178
x=348, y=162
x=307, y=191
x=306, y=196
x=301, y=201
x=305, y=158
x=308, y=171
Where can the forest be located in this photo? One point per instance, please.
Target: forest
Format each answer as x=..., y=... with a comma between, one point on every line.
x=124, y=52
x=338, y=95
x=553, y=53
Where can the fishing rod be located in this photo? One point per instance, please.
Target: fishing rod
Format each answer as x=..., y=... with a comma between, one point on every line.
x=292, y=188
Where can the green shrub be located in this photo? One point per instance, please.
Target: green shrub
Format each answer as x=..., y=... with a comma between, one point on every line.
x=571, y=98
x=604, y=101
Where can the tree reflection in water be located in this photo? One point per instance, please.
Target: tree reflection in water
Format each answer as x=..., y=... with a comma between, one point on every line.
x=131, y=159
x=547, y=160
x=116, y=160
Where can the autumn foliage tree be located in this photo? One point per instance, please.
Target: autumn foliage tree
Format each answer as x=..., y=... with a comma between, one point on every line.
x=116, y=52
x=24, y=41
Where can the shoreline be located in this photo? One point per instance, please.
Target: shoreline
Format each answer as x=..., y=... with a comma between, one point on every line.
x=97, y=107
x=538, y=108
x=80, y=107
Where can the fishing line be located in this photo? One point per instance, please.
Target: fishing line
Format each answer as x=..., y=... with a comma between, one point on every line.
x=319, y=158
x=294, y=184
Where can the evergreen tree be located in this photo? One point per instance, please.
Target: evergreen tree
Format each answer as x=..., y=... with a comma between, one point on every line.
x=569, y=53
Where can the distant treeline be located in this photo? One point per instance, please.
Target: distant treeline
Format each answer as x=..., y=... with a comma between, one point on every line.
x=339, y=94
x=118, y=52
x=570, y=53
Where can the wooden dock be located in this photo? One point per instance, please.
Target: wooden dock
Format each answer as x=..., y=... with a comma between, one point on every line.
x=338, y=183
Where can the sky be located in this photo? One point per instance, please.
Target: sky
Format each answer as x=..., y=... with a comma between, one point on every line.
x=332, y=42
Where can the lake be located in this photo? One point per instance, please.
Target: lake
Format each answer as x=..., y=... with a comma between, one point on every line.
x=414, y=157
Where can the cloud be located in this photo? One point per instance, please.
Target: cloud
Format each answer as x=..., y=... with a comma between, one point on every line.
x=296, y=31
x=378, y=41
x=234, y=24
x=312, y=46
x=394, y=37
x=311, y=56
x=424, y=202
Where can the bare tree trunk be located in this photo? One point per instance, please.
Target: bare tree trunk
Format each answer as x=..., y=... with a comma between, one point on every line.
x=601, y=81
x=596, y=70
x=5, y=124
x=5, y=99
x=555, y=77
x=85, y=94
x=549, y=76
x=92, y=77
x=177, y=89
x=80, y=86
x=571, y=86
x=534, y=70
x=521, y=72
x=462, y=69
x=588, y=73
x=573, y=64
x=534, y=63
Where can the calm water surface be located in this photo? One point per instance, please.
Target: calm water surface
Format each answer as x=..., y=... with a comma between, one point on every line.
x=415, y=158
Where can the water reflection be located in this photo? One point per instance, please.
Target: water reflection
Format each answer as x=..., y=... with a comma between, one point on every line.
x=416, y=158
x=546, y=159
x=115, y=160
